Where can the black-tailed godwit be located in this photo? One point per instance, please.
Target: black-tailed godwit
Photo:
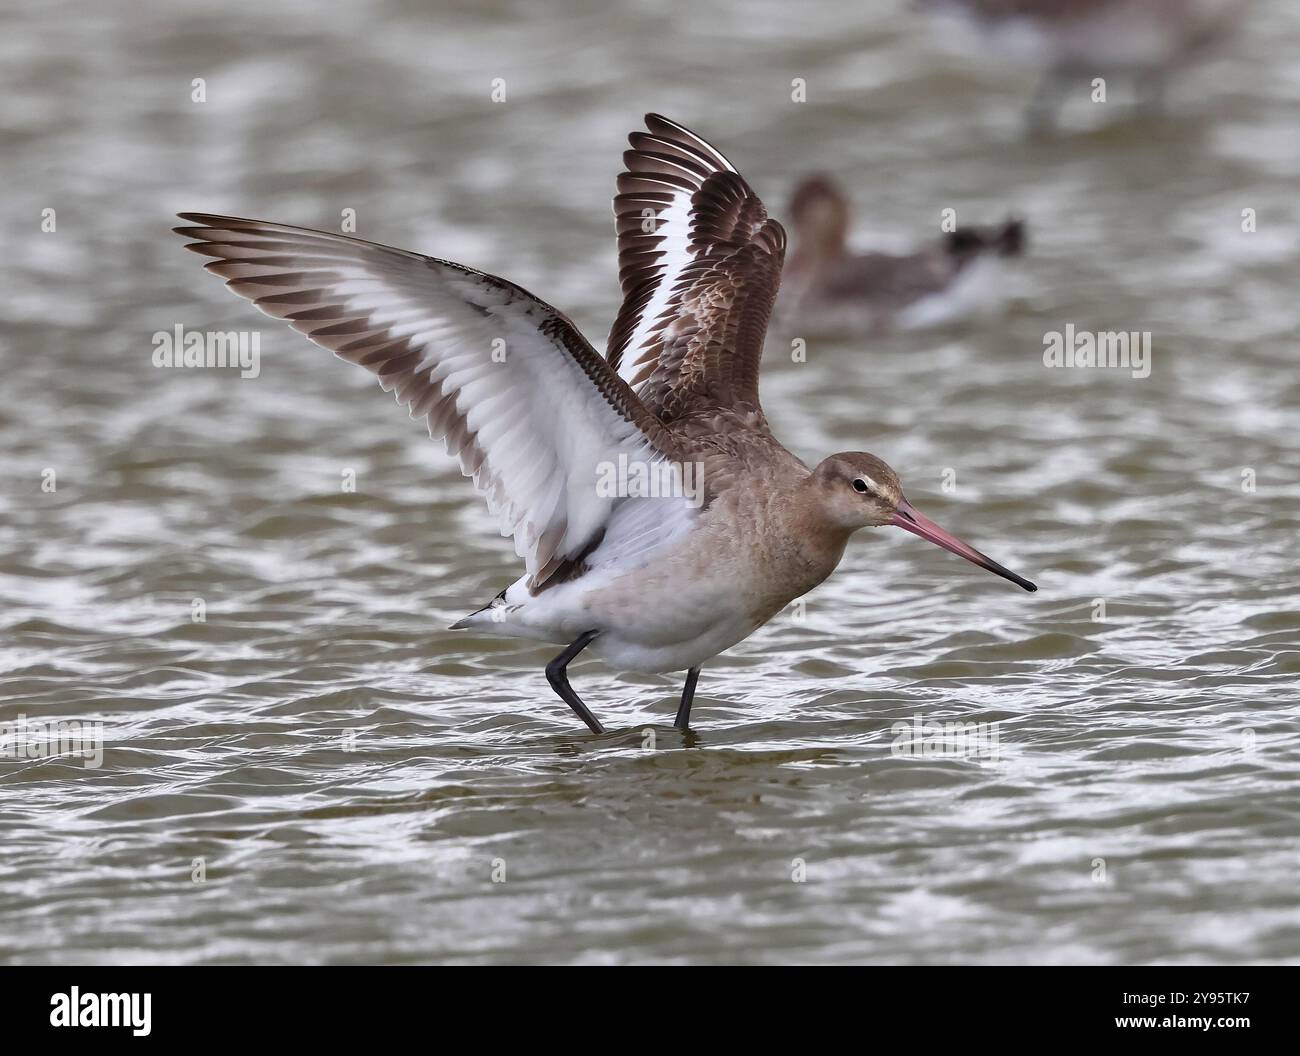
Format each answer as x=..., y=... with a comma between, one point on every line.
x=651, y=579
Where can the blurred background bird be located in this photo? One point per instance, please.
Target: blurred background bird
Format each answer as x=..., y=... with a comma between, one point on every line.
x=1074, y=41
x=829, y=289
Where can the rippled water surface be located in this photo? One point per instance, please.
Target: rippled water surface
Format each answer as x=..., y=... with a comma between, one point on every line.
x=354, y=777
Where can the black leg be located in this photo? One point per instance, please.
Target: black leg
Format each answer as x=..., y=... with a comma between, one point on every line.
x=560, y=681
x=1150, y=90
x=683, y=720
x=1041, y=116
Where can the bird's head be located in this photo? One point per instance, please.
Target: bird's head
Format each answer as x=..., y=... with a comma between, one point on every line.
x=857, y=490
x=819, y=212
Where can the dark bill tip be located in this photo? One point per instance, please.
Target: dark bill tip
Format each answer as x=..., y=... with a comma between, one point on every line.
x=909, y=520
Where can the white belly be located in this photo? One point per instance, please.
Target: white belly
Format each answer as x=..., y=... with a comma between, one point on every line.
x=627, y=650
x=647, y=622
x=977, y=290
x=682, y=606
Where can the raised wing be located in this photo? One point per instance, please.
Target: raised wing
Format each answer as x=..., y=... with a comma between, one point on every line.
x=700, y=263
x=534, y=414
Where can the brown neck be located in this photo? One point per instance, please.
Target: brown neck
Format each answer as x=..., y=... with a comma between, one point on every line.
x=821, y=245
x=821, y=540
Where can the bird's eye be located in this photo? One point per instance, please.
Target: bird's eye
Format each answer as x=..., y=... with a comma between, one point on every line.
x=860, y=485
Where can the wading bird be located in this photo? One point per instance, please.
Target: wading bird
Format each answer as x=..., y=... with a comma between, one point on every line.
x=828, y=289
x=652, y=582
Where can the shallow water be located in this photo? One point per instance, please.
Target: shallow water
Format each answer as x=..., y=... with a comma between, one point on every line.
x=354, y=778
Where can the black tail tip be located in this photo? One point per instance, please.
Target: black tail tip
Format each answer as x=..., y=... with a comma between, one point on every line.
x=1011, y=240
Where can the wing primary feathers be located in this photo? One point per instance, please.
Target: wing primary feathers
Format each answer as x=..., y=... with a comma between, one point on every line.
x=514, y=391
x=700, y=264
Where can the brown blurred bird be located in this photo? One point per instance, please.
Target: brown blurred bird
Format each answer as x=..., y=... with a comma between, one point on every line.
x=828, y=289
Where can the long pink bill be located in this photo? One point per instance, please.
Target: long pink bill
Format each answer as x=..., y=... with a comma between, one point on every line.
x=908, y=519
